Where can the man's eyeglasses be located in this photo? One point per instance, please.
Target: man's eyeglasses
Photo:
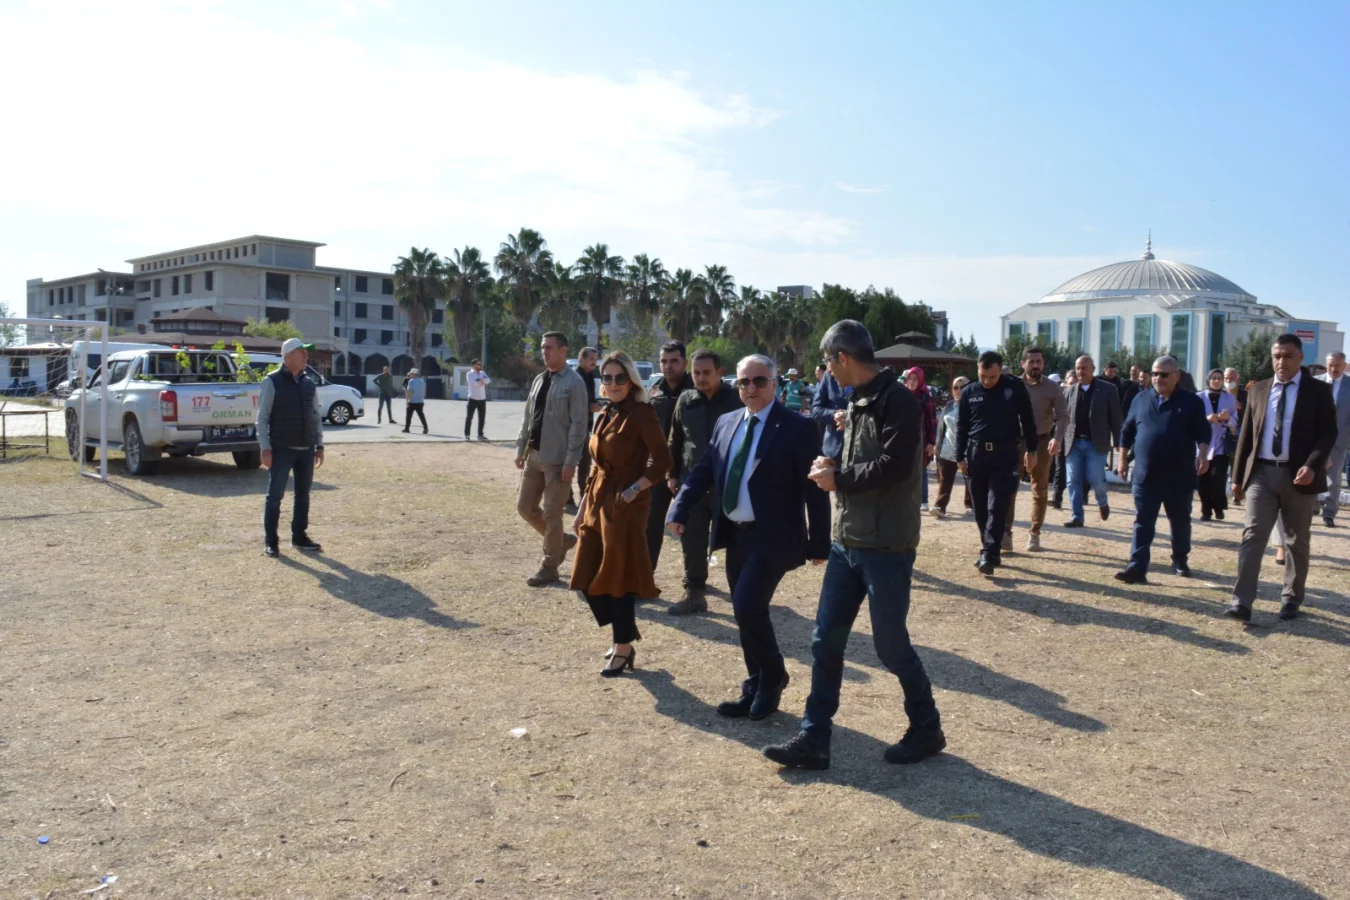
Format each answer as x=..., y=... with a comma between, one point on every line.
x=831, y=359
x=614, y=379
x=759, y=381
x=1161, y=374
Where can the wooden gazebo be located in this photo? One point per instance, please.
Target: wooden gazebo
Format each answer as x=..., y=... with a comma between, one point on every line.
x=914, y=348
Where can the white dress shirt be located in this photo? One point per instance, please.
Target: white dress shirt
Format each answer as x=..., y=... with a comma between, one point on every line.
x=744, y=512
x=1335, y=387
x=1266, y=450
x=478, y=382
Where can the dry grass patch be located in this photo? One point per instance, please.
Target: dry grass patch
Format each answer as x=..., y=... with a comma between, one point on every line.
x=202, y=721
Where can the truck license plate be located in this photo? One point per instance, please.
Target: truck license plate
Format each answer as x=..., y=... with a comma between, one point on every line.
x=239, y=432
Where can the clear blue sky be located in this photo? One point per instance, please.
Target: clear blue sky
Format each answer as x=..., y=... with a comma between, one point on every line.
x=972, y=156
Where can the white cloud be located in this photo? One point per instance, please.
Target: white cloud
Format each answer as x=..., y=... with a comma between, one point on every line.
x=859, y=189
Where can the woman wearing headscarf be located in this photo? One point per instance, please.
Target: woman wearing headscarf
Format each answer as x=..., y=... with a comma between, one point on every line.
x=946, y=443
x=917, y=385
x=612, y=566
x=1222, y=413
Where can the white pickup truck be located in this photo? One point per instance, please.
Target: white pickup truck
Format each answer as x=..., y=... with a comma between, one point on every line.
x=167, y=402
x=338, y=403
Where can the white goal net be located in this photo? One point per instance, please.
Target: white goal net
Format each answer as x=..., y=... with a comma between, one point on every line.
x=46, y=408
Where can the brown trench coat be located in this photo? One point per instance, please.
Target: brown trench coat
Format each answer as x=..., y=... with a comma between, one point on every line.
x=611, y=556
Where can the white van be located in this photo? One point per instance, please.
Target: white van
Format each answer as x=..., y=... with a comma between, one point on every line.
x=94, y=360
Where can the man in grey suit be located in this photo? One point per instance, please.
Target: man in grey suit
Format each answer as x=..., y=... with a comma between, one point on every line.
x=1288, y=432
x=1094, y=428
x=1340, y=395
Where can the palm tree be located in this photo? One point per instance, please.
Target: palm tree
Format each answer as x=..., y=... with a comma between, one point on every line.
x=682, y=309
x=564, y=305
x=525, y=263
x=419, y=281
x=740, y=321
x=469, y=281
x=647, y=279
x=602, y=277
x=719, y=291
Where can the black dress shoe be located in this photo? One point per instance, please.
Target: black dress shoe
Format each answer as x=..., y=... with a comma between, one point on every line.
x=1105, y=512
x=1329, y=521
x=736, y=709
x=985, y=564
x=1074, y=523
x=767, y=698
x=1056, y=504
x=1182, y=570
x=1289, y=610
x=916, y=746
x=1131, y=576
x=303, y=542
x=1218, y=514
x=799, y=753
x=1241, y=613
x=271, y=550
x=1204, y=517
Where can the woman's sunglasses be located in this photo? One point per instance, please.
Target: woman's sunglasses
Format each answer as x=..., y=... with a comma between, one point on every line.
x=614, y=379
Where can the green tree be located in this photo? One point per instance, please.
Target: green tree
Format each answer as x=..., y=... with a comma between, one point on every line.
x=731, y=351
x=964, y=347
x=719, y=289
x=740, y=320
x=273, y=331
x=682, y=307
x=601, y=276
x=526, y=265
x=564, y=308
x=469, y=286
x=9, y=334
x=419, y=281
x=644, y=284
x=1250, y=356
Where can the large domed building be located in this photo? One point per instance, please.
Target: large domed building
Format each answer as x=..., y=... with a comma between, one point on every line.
x=1155, y=303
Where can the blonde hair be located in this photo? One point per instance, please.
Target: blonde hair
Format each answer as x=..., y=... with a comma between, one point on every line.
x=636, y=389
x=960, y=382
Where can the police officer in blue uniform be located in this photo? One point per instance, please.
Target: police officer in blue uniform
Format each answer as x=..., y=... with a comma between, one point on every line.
x=994, y=413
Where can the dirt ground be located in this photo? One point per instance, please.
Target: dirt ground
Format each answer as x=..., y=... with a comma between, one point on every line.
x=199, y=721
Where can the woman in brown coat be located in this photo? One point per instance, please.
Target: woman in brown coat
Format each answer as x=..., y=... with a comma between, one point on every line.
x=612, y=567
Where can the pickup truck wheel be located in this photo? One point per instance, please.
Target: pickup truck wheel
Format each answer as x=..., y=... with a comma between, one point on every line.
x=340, y=413
x=141, y=460
x=73, y=438
x=247, y=459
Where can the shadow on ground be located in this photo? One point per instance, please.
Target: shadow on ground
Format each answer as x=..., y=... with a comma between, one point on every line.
x=947, y=787
x=383, y=595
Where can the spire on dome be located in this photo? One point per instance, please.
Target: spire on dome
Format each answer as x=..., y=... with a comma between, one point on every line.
x=1148, y=250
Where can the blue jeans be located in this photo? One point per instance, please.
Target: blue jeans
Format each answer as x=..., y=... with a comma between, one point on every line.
x=284, y=461
x=1148, y=499
x=1085, y=464
x=385, y=403
x=883, y=576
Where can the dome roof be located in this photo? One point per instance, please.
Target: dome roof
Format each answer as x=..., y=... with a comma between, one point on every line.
x=1148, y=275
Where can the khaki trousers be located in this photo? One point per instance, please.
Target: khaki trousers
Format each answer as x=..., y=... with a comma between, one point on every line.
x=544, y=483
x=1040, y=484
x=1271, y=497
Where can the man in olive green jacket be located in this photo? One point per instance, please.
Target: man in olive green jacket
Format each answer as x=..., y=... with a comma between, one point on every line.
x=384, y=382
x=877, y=494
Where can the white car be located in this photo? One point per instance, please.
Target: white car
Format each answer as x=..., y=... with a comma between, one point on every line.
x=340, y=404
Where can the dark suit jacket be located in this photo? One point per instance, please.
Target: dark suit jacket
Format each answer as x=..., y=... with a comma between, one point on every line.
x=1165, y=439
x=1104, y=417
x=1311, y=436
x=783, y=497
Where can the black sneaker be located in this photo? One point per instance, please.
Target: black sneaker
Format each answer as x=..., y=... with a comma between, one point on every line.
x=1241, y=613
x=271, y=551
x=303, y=542
x=736, y=709
x=1131, y=576
x=1182, y=570
x=1289, y=610
x=916, y=746
x=1074, y=523
x=799, y=753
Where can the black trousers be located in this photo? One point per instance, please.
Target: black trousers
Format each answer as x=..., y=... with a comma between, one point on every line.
x=415, y=408
x=993, y=478
x=1213, y=487
x=753, y=580
x=584, y=464
x=616, y=612
x=479, y=406
x=656, y=520
x=694, y=544
x=1061, y=478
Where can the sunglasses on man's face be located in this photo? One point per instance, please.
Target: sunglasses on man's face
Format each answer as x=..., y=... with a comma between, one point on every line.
x=1160, y=374
x=759, y=381
x=614, y=379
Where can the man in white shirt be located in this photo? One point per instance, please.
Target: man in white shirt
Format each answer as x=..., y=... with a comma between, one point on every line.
x=478, y=381
x=1340, y=394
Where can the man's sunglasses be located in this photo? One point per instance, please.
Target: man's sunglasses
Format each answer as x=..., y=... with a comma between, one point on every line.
x=759, y=381
x=1160, y=374
x=614, y=379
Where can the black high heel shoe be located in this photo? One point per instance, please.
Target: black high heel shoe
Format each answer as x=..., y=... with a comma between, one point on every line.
x=616, y=671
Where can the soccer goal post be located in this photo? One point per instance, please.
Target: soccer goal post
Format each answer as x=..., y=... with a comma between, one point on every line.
x=53, y=398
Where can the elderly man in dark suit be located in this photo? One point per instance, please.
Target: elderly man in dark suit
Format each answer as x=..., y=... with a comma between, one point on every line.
x=1340, y=394
x=1094, y=428
x=1167, y=429
x=1288, y=433
x=770, y=519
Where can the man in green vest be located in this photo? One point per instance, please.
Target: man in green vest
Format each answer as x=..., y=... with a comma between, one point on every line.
x=384, y=383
